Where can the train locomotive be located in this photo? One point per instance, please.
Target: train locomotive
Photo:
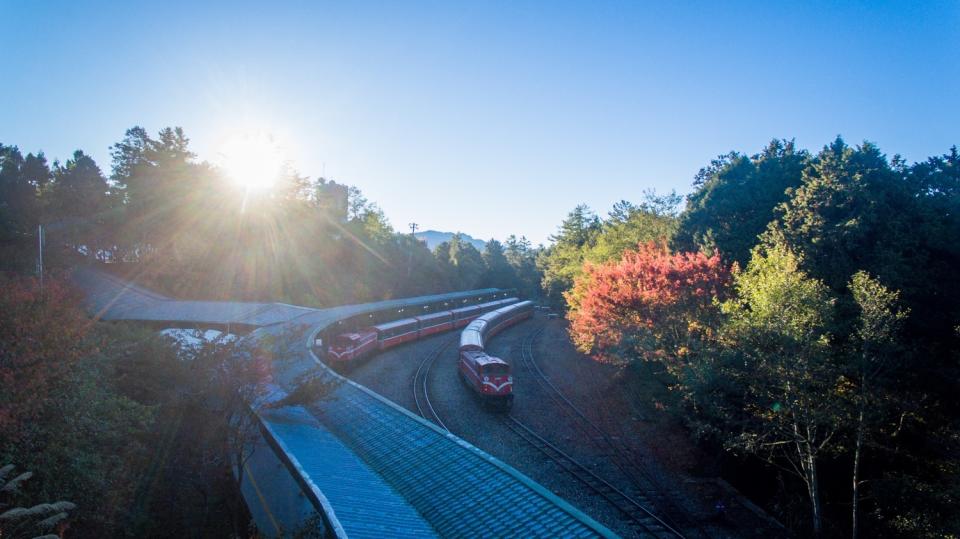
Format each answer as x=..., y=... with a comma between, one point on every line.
x=350, y=347
x=489, y=376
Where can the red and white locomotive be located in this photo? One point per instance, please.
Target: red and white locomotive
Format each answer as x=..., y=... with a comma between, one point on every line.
x=487, y=375
x=349, y=347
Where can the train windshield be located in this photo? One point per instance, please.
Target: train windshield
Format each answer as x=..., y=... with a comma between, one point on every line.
x=343, y=341
x=496, y=369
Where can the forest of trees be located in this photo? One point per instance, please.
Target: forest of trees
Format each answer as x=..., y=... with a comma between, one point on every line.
x=174, y=223
x=804, y=309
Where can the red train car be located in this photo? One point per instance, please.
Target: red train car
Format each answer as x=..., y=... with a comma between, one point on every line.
x=494, y=305
x=464, y=315
x=354, y=345
x=397, y=332
x=434, y=323
x=351, y=346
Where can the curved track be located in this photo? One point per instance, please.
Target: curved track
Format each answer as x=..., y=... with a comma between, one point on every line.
x=638, y=504
x=421, y=392
x=648, y=522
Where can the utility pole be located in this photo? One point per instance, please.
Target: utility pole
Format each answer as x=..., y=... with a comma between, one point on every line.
x=413, y=233
x=40, y=258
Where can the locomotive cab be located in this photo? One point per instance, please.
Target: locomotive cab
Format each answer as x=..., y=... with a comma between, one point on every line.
x=497, y=383
x=344, y=342
x=488, y=376
x=496, y=377
x=350, y=346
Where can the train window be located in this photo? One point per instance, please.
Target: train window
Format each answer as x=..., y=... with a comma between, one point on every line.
x=496, y=369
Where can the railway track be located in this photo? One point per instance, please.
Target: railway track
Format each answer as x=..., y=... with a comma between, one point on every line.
x=618, y=454
x=647, y=522
x=421, y=392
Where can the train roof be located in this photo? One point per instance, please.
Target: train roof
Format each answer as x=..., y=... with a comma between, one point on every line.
x=114, y=299
x=433, y=316
x=477, y=324
x=483, y=359
x=471, y=339
x=493, y=315
x=354, y=335
x=395, y=324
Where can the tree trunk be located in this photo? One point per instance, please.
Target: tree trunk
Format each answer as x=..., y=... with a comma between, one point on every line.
x=856, y=474
x=808, y=463
x=806, y=456
x=815, y=494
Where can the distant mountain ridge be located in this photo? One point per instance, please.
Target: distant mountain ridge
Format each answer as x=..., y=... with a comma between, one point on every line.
x=435, y=237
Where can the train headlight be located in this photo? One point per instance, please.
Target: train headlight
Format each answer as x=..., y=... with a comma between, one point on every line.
x=486, y=378
x=510, y=379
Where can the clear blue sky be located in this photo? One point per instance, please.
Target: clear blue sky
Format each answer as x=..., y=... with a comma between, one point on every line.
x=494, y=117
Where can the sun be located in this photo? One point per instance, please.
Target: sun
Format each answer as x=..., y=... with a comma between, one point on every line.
x=252, y=160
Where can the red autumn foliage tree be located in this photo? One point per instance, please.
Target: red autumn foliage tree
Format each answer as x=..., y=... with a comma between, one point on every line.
x=651, y=304
x=41, y=336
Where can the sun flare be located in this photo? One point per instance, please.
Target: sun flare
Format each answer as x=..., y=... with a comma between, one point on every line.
x=251, y=160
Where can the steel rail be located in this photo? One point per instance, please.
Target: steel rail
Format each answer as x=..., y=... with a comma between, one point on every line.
x=424, y=405
x=623, y=502
x=619, y=454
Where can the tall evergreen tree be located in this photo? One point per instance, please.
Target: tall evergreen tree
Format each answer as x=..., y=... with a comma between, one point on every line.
x=79, y=199
x=735, y=198
x=563, y=261
x=498, y=272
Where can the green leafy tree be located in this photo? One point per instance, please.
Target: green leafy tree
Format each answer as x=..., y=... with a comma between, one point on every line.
x=498, y=272
x=170, y=201
x=629, y=225
x=877, y=354
x=467, y=263
x=786, y=404
x=333, y=200
x=22, y=180
x=857, y=211
x=563, y=261
x=522, y=257
x=79, y=198
x=850, y=213
x=735, y=198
